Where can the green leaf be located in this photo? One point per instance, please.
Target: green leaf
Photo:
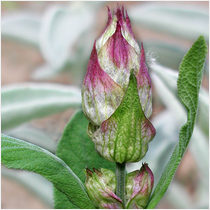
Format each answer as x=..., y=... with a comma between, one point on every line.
x=21, y=103
x=198, y=146
x=167, y=79
x=189, y=81
x=168, y=95
x=18, y=154
x=78, y=152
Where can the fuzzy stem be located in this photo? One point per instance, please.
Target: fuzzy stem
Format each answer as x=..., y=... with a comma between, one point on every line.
x=120, y=175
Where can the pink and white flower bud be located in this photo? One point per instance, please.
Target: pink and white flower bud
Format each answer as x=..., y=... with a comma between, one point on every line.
x=115, y=54
x=139, y=186
x=101, y=186
x=116, y=93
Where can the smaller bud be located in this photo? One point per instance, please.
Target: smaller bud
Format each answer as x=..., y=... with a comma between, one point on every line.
x=139, y=186
x=101, y=186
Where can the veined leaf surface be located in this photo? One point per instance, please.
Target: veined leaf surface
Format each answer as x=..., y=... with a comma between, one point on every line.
x=18, y=154
x=189, y=81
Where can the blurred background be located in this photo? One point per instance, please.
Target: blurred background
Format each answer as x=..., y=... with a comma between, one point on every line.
x=44, y=54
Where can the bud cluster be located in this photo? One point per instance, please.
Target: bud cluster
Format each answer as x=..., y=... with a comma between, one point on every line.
x=101, y=188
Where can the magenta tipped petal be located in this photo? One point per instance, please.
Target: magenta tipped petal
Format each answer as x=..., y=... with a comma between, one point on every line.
x=144, y=85
x=100, y=94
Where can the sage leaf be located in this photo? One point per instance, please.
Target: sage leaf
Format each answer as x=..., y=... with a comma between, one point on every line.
x=198, y=146
x=186, y=22
x=167, y=78
x=60, y=26
x=18, y=154
x=21, y=103
x=188, y=84
x=199, y=142
x=78, y=152
x=22, y=27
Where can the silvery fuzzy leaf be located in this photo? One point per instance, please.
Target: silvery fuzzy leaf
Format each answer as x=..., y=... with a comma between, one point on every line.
x=22, y=27
x=187, y=22
x=24, y=102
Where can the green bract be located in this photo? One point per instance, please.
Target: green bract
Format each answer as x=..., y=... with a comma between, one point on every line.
x=124, y=137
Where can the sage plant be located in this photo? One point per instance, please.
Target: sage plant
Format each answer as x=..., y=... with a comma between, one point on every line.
x=117, y=101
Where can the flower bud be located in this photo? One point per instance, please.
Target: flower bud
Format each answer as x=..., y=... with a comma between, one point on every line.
x=116, y=93
x=101, y=186
x=139, y=186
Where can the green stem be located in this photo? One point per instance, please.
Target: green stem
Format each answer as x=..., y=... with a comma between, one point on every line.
x=120, y=175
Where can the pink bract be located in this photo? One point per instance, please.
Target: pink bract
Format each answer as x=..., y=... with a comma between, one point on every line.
x=115, y=54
